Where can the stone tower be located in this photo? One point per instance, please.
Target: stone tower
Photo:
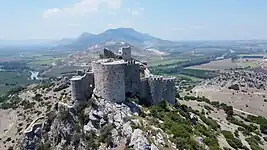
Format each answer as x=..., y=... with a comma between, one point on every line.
x=82, y=87
x=109, y=79
x=126, y=53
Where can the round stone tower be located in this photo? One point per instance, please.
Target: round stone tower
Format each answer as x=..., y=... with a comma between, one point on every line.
x=77, y=88
x=109, y=79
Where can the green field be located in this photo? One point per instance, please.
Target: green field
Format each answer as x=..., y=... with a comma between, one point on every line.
x=165, y=61
x=45, y=61
x=195, y=79
x=10, y=80
x=254, y=54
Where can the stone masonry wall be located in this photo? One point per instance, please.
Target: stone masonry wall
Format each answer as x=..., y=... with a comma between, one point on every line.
x=132, y=79
x=109, y=80
x=82, y=87
x=169, y=89
x=156, y=89
x=126, y=53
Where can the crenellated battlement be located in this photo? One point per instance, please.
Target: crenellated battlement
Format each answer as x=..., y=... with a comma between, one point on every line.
x=169, y=79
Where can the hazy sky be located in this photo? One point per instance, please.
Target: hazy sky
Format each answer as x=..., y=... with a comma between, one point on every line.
x=167, y=19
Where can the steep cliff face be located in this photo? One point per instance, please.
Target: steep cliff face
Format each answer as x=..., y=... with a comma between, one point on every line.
x=100, y=124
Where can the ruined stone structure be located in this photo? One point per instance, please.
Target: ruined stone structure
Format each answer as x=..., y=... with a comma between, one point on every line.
x=115, y=77
x=155, y=89
x=132, y=78
x=126, y=53
x=109, y=79
x=108, y=54
x=82, y=86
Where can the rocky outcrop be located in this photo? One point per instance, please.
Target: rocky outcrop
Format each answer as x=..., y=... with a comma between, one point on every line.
x=100, y=124
x=138, y=141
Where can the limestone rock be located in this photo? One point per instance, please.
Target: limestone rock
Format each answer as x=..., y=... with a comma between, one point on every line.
x=127, y=130
x=153, y=147
x=138, y=141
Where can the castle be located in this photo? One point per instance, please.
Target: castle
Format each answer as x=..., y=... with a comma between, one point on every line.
x=116, y=77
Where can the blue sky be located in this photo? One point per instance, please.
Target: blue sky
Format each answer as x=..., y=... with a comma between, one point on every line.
x=167, y=19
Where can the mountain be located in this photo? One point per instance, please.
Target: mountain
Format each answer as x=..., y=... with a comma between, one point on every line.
x=128, y=35
x=114, y=46
x=93, y=51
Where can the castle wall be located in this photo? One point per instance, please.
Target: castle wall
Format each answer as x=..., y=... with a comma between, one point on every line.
x=109, y=80
x=77, y=88
x=132, y=79
x=88, y=84
x=169, y=89
x=82, y=86
x=155, y=89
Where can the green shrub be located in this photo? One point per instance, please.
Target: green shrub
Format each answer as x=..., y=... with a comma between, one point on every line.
x=210, y=122
x=236, y=133
x=27, y=104
x=232, y=141
x=253, y=143
x=190, y=97
x=259, y=120
x=38, y=97
x=208, y=107
x=105, y=134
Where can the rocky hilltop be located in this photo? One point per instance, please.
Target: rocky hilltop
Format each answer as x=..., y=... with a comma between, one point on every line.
x=90, y=112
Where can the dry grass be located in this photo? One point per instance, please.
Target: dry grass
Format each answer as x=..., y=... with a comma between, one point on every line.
x=252, y=101
x=216, y=65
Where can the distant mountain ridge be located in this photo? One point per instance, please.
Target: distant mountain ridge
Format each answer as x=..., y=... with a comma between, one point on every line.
x=128, y=35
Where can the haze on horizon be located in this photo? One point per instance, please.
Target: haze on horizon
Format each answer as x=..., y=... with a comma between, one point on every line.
x=171, y=20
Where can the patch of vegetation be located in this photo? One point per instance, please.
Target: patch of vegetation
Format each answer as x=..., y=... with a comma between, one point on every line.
x=133, y=99
x=27, y=104
x=259, y=120
x=38, y=97
x=165, y=61
x=91, y=141
x=232, y=141
x=253, y=142
x=236, y=133
x=44, y=85
x=11, y=102
x=105, y=134
x=228, y=109
x=210, y=122
x=186, y=77
x=9, y=81
x=210, y=136
x=203, y=74
x=234, y=87
x=247, y=129
x=181, y=128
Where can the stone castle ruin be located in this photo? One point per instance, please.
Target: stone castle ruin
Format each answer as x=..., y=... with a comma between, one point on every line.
x=116, y=77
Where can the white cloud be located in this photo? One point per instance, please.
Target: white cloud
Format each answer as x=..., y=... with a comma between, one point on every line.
x=83, y=7
x=110, y=25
